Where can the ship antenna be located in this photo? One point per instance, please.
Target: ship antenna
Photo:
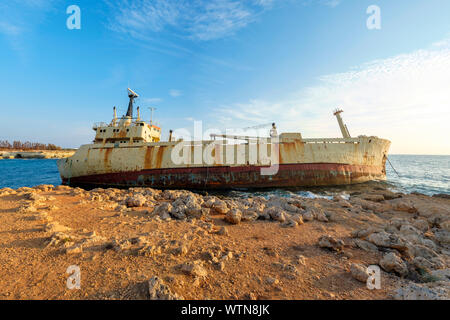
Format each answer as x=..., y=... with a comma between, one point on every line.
x=132, y=95
x=342, y=126
x=151, y=118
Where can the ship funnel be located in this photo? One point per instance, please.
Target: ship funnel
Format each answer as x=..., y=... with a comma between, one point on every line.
x=132, y=95
x=114, y=116
x=342, y=126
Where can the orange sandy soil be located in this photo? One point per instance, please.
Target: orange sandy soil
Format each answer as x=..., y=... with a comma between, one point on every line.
x=265, y=261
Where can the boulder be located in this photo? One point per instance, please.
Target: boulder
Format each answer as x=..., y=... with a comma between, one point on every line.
x=249, y=215
x=365, y=245
x=194, y=268
x=223, y=231
x=297, y=218
x=359, y=272
x=308, y=216
x=363, y=233
x=276, y=214
x=78, y=248
x=443, y=236
x=441, y=275
x=234, y=216
x=428, y=291
x=163, y=210
x=331, y=243
x=384, y=239
x=421, y=224
x=422, y=251
x=428, y=264
x=392, y=262
x=137, y=200
x=372, y=197
x=55, y=227
x=220, y=207
x=158, y=290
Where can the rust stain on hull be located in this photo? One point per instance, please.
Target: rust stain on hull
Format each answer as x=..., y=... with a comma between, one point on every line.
x=289, y=175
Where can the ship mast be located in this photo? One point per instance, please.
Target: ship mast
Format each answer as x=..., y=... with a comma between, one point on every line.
x=132, y=95
x=342, y=126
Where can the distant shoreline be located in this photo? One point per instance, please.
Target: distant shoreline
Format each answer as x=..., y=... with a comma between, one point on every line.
x=36, y=154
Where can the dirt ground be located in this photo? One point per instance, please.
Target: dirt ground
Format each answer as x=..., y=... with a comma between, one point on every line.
x=122, y=247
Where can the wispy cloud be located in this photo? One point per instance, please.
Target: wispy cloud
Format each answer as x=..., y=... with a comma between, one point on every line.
x=19, y=17
x=403, y=98
x=9, y=29
x=328, y=3
x=151, y=100
x=175, y=93
x=192, y=19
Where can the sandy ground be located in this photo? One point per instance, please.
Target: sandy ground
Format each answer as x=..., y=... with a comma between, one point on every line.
x=120, y=239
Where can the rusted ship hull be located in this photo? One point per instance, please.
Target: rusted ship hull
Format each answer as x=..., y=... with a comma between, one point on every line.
x=301, y=162
x=216, y=178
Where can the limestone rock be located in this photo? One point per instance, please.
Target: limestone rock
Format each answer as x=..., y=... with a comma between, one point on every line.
x=223, y=231
x=441, y=275
x=276, y=214
x=249, y=215
x=429, y=291
x=158, y=290
x=365, y=245
x=443, y=236
x=55, y=227
x=428, y=264
x=137, y=200
x=391, y=262
x=297, y=218
x=163, y=210
x=272, y=281
x=289, y=223
x=194, y=268
x=359, y=272
x=329, y=242
x=220, y=207
x=384, y=239
x=234, y=216
x=78, y=248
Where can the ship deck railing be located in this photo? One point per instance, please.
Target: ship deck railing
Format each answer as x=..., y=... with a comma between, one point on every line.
x=332, y=140
x=99, y=125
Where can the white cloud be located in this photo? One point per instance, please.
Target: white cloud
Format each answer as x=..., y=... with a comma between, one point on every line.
x=328, y=3
x=194, y=19
x=405, y=99
x=16, y=15
x=175, y=93
x=152, y=100
x=9, y=29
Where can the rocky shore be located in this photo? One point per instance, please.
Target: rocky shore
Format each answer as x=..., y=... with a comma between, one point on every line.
x=43, y=154
x=143, y=243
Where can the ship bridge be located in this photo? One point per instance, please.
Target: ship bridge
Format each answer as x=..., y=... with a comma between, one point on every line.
x=127, y=129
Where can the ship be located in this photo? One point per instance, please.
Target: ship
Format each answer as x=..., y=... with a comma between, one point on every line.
x=128, y=152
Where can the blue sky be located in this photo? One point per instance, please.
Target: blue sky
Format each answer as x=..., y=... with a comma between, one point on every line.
x=230, y=64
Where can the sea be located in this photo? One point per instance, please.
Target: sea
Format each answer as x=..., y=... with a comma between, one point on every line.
x=405, y=173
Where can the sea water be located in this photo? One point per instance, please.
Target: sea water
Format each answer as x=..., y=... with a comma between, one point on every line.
x=413, y=173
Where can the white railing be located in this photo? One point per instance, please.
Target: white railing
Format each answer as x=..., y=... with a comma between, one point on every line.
x=332, y=140
x=99, y=124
